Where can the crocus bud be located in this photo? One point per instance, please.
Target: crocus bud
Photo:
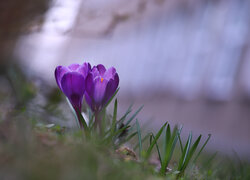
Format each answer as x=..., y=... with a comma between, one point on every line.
x=101, y=84
x=71, y=81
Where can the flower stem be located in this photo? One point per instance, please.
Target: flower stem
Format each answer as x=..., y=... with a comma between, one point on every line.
x=98, y=121
x=82, y=122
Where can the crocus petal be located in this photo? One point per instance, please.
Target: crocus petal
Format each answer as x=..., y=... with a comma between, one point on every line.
x=110, y=73
x=95, y=72
x=73, y=67
x=89, y=101
x=89, y=83
x=59, y=72
x=101, y=84
x=101, y=69
x=111, y=88
x=84, y=69
x=99, y=90
x=73, y=86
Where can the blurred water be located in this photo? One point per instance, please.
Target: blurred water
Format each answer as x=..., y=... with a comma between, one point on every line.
x=178, y=59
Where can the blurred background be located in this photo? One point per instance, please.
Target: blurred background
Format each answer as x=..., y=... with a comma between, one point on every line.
x=186, y=61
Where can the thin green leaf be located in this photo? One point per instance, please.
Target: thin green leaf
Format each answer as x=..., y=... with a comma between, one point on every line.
x=112, y=97
x=130, y=137
x=190, y=154
x=133, y=116
x=108, y=137
x=103, y=121
x=86, y=128
x=171, y=141
x=125, y=115
x=155, y=140
x=174, y=139
x=139, y=137
x=179, y=137
x=91, y=123
x=113, y=125
x=157, y=147
x=143, y=139
x=196, y=157
x=121, y=130
x=121, y=119
x=150, y=139
x=167, y=139
x=185, y=152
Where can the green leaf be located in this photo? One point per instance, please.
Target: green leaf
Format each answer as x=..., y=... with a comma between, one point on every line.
x=130, y=137
x=106, y=105
x=133, y=116
x=190, y=154
x=91, y=122
x=185, y=152
x=167, y=139
x=173, y=142
x=155, y=140
x=139, y=137
x=125, y=115
x=179, y=137
x=101, y=121
x=157, y=147
x=150, y=139
x=113, y=125
x=196, y=157
x=145, y=137
x=170, y=142
x=120, y=120
x=86, y=128
x=121, y=130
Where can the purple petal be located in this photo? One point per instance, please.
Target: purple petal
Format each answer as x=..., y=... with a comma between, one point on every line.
x=101, y=69
x=59, y=72
x=110, y=73
x=73, y=67
x=95, y=72
x=89, y=84
x=111, y=88
x=84, y=69
x=73, y=86
x=100, y=85
x=89, y=101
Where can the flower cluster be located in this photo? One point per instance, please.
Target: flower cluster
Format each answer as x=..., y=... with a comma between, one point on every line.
x=96, y=84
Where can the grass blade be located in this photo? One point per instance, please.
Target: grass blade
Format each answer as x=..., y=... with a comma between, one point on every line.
x=196, y=157
x=157, y=147
x=129, y=137
x=113, y=125
x=155, y=140
x=167, y=139
x=121, y=130
x=191, y=152
x=170, y=142
x=179, y=137
x=125, y=115
x=139, y=137
x=133, y=116
x=145, y=137
x=185, y=152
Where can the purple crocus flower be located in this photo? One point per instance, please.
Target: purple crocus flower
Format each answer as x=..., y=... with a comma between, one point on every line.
x=71, y=81
x=101, y=84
